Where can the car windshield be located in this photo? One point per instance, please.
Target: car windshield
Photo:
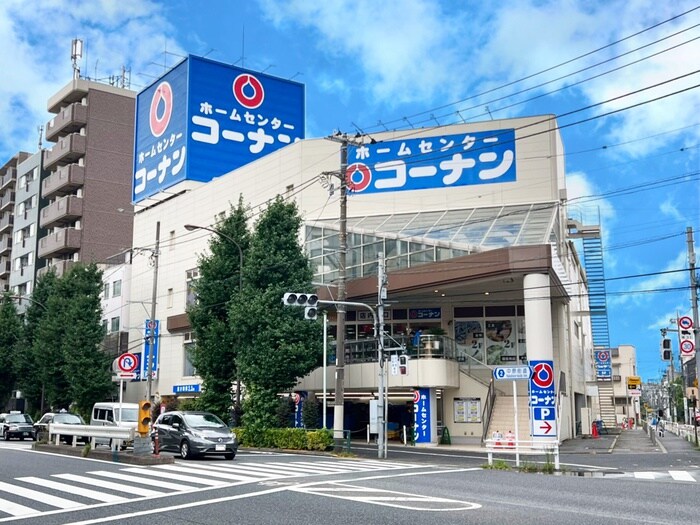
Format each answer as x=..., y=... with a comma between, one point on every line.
x=128, y=414
x=69, y=419
x=203, y=421
x=18, y=418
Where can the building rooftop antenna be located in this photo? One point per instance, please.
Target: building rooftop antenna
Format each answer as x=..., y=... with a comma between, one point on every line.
x=76, y=53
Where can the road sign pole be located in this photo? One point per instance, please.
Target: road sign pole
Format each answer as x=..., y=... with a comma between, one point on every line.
x=515, y=411
x=121, y=399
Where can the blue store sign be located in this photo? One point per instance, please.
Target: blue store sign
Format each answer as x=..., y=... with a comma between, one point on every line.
x=186, y=389
x=421, y=415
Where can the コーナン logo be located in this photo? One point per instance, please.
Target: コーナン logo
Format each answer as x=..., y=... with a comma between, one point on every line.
x=249, y=91
x=161, y=109
x=358, y=177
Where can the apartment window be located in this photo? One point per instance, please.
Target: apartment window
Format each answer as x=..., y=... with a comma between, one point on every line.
x=117, y=288
x=114, y=324
x=105, y=291
x=170, y=298
x=192, y=276
x=188, y=368
x=104, y=325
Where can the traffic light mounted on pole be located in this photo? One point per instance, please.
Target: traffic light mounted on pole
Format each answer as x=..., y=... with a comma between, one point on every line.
x=666, y=350
x=308, y=300
x=144, y=421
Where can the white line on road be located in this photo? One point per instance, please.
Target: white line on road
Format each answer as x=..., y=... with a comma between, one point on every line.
x=72, y=489
x=52, y=501
x=681, y=475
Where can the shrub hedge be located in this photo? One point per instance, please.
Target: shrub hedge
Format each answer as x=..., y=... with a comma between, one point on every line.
x=286, y=438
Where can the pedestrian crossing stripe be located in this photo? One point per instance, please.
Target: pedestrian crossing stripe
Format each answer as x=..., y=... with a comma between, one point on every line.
x=104, y=487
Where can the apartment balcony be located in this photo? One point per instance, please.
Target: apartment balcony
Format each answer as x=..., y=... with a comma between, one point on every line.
x=7, y=222
x=60, y=268
x=7, y=202
x=63, y=181
x=9, y=179
x=5, y=244
x=69, y=120
x=60, y=243
x=61, y=211
x=67, y=150
x=5, y=269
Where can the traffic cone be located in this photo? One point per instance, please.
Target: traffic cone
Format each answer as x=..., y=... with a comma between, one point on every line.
x=594, y=430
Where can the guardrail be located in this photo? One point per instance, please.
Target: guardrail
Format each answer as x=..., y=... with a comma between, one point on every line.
x=115, y=434
x=517, y=447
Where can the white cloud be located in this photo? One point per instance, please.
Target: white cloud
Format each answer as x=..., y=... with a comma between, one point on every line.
x=36, y=37
x=399, y=51
x=669, y=207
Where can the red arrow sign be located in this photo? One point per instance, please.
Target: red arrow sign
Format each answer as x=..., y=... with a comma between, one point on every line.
x=547, y=427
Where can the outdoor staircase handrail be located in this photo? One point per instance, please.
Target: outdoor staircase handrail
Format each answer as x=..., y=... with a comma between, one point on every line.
x=488, y=409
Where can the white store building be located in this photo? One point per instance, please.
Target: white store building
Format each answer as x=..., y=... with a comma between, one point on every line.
x=490, y=262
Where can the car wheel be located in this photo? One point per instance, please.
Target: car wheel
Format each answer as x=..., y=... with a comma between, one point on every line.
x=185, y=452
x=6, y=435
x=230, y=455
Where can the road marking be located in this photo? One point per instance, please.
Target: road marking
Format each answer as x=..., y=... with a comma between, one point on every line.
x=143, y=481
x=174, y=476
x=681, y=475
x=231, y=476
x=15, y=509
x=386, y=498
x=72, y=489
x=644, y=475
x=52, y=501
x=119, y=487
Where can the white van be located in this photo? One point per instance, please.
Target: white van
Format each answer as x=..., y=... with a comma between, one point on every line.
x=108, y=414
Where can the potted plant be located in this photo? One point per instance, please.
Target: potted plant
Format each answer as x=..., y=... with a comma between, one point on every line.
x=436, y=331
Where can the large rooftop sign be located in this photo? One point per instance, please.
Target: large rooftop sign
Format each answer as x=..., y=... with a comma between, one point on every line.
x=203, y=119
x=482, y=157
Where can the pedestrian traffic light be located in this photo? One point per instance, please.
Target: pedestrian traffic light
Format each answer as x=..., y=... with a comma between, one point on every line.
x=144, y=422
x=403, y=365
x=666, y=350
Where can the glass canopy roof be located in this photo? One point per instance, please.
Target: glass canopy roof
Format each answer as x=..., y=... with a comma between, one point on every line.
x=411, y=239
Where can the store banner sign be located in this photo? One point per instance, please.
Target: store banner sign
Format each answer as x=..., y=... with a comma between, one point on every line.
x=204, y=119
x=148, y=326
x=443, y=161
x=603, y=365
x=421, y=415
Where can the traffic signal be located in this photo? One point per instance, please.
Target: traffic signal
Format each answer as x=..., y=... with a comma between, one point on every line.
x=403, y=365
x=311, y=312
x=144, y=421
x=308, y=300
x=666, y=350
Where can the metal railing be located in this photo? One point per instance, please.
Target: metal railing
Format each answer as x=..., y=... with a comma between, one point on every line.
x=488, y=409
x=115, y=434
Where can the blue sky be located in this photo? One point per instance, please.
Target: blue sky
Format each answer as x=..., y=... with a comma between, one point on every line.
x=632, y=158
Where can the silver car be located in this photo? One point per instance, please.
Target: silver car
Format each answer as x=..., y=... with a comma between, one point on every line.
x=194, y=434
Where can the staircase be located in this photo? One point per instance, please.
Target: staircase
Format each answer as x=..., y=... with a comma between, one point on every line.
x=606, y=402
x=502, y=417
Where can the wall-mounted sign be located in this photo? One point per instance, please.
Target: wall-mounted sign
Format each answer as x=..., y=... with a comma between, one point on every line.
x=479, y=157
x=187, y=389
x=603, y=365
x=204, y=119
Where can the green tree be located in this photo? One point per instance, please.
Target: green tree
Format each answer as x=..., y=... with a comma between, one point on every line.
x=311, y=413
x=215, y=349
x=33, y=364
x=86, y=367
x=278, y=346
x=67, y=337
x=10, y=337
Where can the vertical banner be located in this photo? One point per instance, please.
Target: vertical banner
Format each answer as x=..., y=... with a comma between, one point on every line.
x=155, y=326
x=603, y=365
x=543, y=399
x=421, y=415
x=299, y=398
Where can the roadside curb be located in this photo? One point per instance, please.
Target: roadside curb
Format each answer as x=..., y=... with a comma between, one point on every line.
x=126, y=457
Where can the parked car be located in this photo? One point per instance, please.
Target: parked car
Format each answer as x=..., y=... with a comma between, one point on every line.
x=112, y=414
x=194, y=434
x=64, y=418
x=16, y=425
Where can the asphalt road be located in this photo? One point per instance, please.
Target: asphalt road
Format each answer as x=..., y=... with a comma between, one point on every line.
x=271, y=488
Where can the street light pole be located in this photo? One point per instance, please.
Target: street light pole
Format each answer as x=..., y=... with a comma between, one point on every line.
x=192, y=227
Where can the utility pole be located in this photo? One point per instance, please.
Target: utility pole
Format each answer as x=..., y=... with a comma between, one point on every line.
x=382, y=405
x=152, y=320
x=694, y=303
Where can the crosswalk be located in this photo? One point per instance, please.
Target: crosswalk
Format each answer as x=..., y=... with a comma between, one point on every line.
x=689, y=476
x=28, y=496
